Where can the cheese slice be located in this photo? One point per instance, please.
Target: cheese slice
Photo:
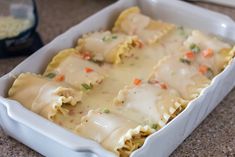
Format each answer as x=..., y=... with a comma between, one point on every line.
x=131, y=21
x=181, y=76
x=107, y=46
x=112, y=131
x=69, y=64
x=151, y=103
x=43, y=96
x=221, y=56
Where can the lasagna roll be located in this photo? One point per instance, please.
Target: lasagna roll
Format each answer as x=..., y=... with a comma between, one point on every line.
x=115, y=133
x=70, y=67
x=209, y=53
x=131, y=21
x=180, y=75
x=155, y=103
x=43, y=96
x=107, y=46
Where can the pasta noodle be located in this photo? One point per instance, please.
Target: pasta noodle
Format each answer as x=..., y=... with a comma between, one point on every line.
x=114, y=132
x=131, y=21
x=107, y=46
x=173, y=69
x=117, y=113
x=154, y=103
x=43, y=96
x=78, y=72
x=209, y=51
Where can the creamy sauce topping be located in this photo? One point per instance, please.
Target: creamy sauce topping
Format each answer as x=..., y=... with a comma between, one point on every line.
x=73, y=68
x=147, y=103
x=134, y=23
x=205, y=41
x=103, y=123
x=218, y=59
x=118, y=76
x=42, y=95
x=102, y=43
x=172, y=67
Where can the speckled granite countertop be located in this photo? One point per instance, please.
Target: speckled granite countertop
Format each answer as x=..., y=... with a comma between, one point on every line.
x=214, y=137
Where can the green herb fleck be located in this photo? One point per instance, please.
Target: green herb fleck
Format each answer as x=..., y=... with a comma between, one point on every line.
x=51, y=75
x=180, y=28
x=155, y=126
x=87, y=86
x=195, y=48
x=114, y=37
x=105, y=38
x=209, y=74
x=182, y=31
x=183, y=60
x=109, y=38
x=132, y=64
x=106, y=110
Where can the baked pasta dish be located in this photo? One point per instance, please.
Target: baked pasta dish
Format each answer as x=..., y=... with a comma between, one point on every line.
x=119, y=86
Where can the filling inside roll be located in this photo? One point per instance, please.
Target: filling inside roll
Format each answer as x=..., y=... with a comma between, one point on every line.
x=114, y=132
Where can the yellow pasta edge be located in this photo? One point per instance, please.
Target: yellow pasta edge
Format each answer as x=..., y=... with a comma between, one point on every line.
x=198, y=90
x=125, y=146
x=56, y=60
x=81, y=42
x=122, y=16
x=57, y=106
x=178, y=107
x=230, y=56
x=168, y=27
x=174, y=110
x=18, y=80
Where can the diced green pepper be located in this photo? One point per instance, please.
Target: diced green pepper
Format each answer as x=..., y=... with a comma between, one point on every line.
x=183, y=60
x=108, y=38
x=51, y=75
x=155, y=126
x=195, y=48
x=87, y=86
x=106, y=110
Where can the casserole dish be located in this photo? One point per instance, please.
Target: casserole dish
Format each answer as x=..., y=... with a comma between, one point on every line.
x=15, y=117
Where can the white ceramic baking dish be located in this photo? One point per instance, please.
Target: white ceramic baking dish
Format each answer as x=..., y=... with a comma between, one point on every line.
x=49, y=139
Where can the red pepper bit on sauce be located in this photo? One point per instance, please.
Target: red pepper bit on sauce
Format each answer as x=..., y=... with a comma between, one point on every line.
x=59, y=78
x=163, y=85
x=190, y=55
x=208, y=53
x=137, y=82
x=203, y=69
x=88, y=70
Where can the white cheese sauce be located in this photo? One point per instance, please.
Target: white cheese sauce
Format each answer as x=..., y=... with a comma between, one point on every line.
x=138, y=66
